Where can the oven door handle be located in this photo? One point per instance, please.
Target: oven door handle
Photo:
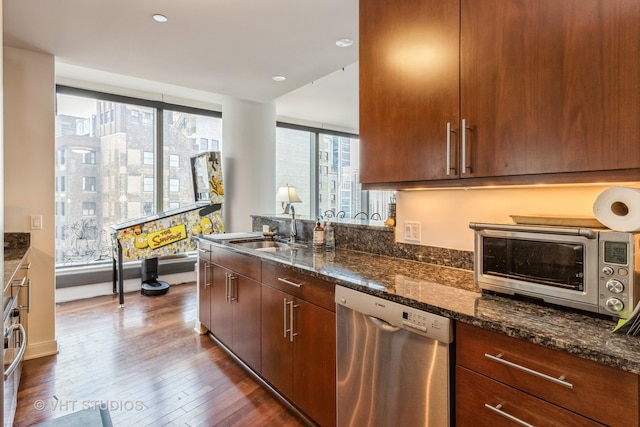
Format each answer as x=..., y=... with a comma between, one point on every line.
x=23, y=347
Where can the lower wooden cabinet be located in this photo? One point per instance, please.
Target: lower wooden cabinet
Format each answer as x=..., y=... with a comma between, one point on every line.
x=537, y=385
x=481, y=401
x=298, y=353
x=235, y=314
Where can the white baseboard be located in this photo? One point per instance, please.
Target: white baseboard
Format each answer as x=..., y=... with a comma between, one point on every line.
x=131, y=285
x=41, y=349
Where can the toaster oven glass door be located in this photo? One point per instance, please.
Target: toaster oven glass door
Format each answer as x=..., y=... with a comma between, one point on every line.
x=555, y=264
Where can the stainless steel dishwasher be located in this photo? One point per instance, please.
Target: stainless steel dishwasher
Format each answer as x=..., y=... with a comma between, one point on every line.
x=393, y=363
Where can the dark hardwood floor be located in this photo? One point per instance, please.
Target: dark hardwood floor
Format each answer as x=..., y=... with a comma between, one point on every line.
x=147, y=364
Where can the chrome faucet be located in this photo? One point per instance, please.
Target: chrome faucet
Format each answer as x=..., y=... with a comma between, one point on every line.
x=294, y=231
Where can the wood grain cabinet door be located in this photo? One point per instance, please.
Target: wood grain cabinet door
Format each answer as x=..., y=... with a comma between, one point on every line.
x=314, y=362
x=409, y=89
x=221, y=310
x=205, y=274
x=277, y=354
x=550, y=86
x=245, y=295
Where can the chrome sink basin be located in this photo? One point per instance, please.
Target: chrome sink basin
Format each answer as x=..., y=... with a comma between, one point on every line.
x=267, y=245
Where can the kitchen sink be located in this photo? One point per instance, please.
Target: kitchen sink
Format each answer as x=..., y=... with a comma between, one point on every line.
x=268, y=245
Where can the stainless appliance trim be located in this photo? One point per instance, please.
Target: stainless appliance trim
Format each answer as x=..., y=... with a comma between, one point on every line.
x=393, y=363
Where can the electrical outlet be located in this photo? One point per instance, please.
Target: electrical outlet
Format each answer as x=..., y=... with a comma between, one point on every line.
x=412, y=231
x=36, y=222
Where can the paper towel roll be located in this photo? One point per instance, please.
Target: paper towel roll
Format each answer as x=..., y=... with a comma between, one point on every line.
x=619, y=208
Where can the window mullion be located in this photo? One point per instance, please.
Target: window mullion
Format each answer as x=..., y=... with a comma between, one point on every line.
x=159, y=155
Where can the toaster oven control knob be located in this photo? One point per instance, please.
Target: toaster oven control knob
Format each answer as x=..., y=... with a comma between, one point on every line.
x=614, y=304
x=607, y=270
x=615, y=286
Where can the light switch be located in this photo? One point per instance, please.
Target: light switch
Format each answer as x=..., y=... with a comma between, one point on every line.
x=36, y=222
x=412, y=231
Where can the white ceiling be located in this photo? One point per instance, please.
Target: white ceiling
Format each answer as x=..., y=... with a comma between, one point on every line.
x=224, y=47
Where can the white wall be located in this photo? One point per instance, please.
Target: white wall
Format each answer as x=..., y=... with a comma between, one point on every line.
x=445, y=214
x=29, y=134
x=248, y=161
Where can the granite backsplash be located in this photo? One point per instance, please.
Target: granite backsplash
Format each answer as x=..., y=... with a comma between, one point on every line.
x=368, y=236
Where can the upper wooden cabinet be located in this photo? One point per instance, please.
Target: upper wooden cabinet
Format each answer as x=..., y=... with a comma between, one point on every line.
x=545, y=91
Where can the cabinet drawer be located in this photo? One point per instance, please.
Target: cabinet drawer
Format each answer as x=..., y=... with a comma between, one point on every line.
x=586, y=387
x=204, y=251
x=245, y=265
x=481, y=401
x=300, y=285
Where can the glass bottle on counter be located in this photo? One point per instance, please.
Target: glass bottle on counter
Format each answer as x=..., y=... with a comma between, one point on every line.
x=329, y=236
x=318, y=235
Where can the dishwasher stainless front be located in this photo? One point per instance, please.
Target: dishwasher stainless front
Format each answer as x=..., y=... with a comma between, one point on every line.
x=393, y=363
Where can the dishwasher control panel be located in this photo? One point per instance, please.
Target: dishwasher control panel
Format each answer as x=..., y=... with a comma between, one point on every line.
x=398, y=315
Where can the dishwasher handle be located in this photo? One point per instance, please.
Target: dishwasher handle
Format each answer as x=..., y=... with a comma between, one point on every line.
x=382, y=324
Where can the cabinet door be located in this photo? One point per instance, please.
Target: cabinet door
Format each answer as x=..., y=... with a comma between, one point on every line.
x=550, y=86
x=277, y=354
x=221, y=309
x=205, y=274
x=409, y=89
x=314, y=361
x=245, y=295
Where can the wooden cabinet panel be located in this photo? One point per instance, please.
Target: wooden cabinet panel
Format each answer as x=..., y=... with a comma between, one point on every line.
x=309, y=288
x=546, y=91
x=246, y=320
x=300, y=363
x=314, y=362
x=550, y=86
x=246, y=265
x=478, y=391
x=221, y=308
x=277, y=357
x=593, y=385
x=205, y=275
x=409, y=88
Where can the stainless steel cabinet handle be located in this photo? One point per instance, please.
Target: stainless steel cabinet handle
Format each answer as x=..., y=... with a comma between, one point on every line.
x=284, y=318
x=559, y=381
x=289, y=282
x=206, y=269
x=23, y=347
x=448, y=148
x=25, y=267
x=19, y=283
x=498, y=410
x=463, y=130
x=204, y=251
x=291, y=333
x=233, y=288
x=28, y=296
x=226, y=287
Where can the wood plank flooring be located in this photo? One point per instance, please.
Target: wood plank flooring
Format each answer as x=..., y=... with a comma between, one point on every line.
x=147, y=364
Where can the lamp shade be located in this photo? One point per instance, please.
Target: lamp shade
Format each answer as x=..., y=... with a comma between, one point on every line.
x=287, y=194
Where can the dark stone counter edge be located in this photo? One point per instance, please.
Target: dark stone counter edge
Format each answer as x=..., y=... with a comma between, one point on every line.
x=588, y=352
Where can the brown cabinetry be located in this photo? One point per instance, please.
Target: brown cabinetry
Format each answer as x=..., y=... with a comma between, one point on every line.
x=299, y=341
x=504, y=91
x=498, y=377
x=229, y=301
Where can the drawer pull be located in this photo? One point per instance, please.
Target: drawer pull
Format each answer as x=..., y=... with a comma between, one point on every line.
x=559, y=381
x=498, y=410
x=289, y=282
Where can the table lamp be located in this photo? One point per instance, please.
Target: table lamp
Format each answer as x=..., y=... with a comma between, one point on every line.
x=287, y=195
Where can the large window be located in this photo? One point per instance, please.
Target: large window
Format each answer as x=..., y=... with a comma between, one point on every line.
x=330, y=187
x=113, y=165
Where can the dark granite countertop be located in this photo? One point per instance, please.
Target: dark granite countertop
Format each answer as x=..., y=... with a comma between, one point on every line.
x=451, y=292
x=16, y=248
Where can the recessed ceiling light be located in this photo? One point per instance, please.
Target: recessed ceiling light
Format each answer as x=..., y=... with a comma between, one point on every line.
x=160, y=18
x=279, y=78
x=344, y=42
